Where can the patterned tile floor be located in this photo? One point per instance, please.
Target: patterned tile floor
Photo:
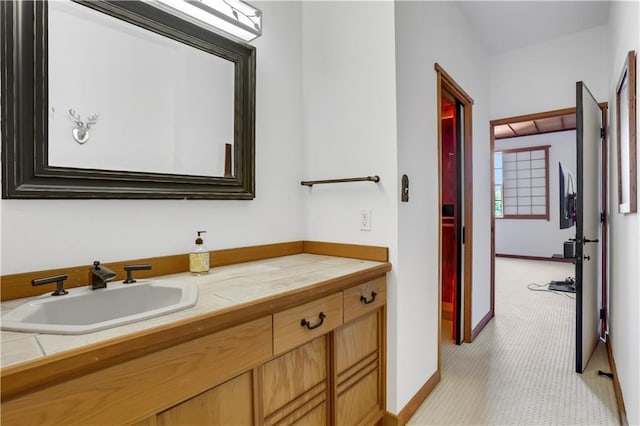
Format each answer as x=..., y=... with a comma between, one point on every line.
x=519, y=370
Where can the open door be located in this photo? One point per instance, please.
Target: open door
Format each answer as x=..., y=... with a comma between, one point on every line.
x=588, y=138
x=457, y=210
x=452, y=196
x=451, y=219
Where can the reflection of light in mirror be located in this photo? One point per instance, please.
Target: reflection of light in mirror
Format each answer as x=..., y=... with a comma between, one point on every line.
x=233, y=17
x=165, y=107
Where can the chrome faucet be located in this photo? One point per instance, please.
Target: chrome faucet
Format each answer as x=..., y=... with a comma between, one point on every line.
x=100, y=275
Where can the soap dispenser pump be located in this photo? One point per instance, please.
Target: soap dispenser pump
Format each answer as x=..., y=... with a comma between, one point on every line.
x=199, y=257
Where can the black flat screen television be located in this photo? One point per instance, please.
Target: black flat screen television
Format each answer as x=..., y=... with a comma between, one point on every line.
x=567, y=205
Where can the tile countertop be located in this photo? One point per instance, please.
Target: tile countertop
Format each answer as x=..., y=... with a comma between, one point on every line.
x=223, y=287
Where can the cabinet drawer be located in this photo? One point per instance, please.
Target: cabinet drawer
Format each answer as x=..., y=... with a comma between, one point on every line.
x=297, y=325
x=364, y=298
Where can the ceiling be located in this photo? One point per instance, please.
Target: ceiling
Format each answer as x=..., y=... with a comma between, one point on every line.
x=537, y=126
x=508, y=25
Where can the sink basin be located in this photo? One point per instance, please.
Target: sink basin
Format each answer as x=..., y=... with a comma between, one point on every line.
x=84, y=310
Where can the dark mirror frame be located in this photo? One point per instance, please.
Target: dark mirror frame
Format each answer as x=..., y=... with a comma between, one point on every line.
x=24, y=100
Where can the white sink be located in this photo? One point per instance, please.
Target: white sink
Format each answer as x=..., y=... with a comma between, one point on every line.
x=84, y=310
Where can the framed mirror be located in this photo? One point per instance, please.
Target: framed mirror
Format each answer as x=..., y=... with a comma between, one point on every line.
x=626, y=136
x=120, y=99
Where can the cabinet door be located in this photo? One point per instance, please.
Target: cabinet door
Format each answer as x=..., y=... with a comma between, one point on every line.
x=229, y=404
x=295, y=387
x=359, y=387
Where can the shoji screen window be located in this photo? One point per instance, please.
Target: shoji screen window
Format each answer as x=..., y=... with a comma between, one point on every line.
x=525, y=183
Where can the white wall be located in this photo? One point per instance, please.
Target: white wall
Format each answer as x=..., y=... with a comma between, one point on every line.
x=624, y=315
x=43, y=234
x=350, y=131
x=539, y=237
x=429, y=32
x=349, y=118
x=543, y=77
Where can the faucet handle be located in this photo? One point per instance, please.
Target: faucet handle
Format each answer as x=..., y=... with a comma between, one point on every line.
x=58, y=279
x=130, y=268
x=99, y=275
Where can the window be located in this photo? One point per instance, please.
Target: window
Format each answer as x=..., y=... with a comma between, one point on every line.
x=522, y=183
x=497, y=189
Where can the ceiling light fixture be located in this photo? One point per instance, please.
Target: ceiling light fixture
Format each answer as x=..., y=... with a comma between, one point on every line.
x=230, y=17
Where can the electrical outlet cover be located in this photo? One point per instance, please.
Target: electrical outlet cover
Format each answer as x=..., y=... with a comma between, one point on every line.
x=365, y=219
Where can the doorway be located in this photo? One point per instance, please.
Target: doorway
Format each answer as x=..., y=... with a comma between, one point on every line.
x=451, y=177
x=455, y=201
x=551, y=122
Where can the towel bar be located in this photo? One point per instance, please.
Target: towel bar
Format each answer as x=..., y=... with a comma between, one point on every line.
x=375, y=178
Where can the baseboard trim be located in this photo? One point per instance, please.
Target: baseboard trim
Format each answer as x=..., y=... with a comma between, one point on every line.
x=546, y=259
x=622, y=412
x=481, y=325
x=390, y=419
x=414, y=403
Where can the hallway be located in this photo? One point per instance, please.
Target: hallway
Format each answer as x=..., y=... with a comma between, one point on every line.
x=520, y=369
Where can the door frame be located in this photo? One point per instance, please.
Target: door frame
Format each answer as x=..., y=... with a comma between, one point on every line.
x=444, y=82
x=604, y=317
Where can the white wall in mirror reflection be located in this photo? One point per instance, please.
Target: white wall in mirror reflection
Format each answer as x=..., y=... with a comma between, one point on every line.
x=164, y=107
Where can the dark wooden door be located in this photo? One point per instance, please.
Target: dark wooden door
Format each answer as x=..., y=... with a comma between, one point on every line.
x=588, y=140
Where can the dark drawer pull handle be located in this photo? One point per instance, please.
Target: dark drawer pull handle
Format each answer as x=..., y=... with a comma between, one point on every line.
x=373, y=298
x=305, y=323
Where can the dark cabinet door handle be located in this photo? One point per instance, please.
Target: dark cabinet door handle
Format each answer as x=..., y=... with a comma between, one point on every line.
x=373, y=298
x=305, y=323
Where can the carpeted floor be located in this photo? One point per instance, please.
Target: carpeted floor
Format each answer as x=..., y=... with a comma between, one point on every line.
x=520, y=369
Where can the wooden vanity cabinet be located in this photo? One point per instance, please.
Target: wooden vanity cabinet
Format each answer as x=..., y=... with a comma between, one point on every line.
x=296, y=385
x=338, y=377
x=318, y=363
x=325, y=372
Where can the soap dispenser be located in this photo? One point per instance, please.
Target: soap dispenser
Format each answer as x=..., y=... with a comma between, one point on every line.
x=199, y=257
